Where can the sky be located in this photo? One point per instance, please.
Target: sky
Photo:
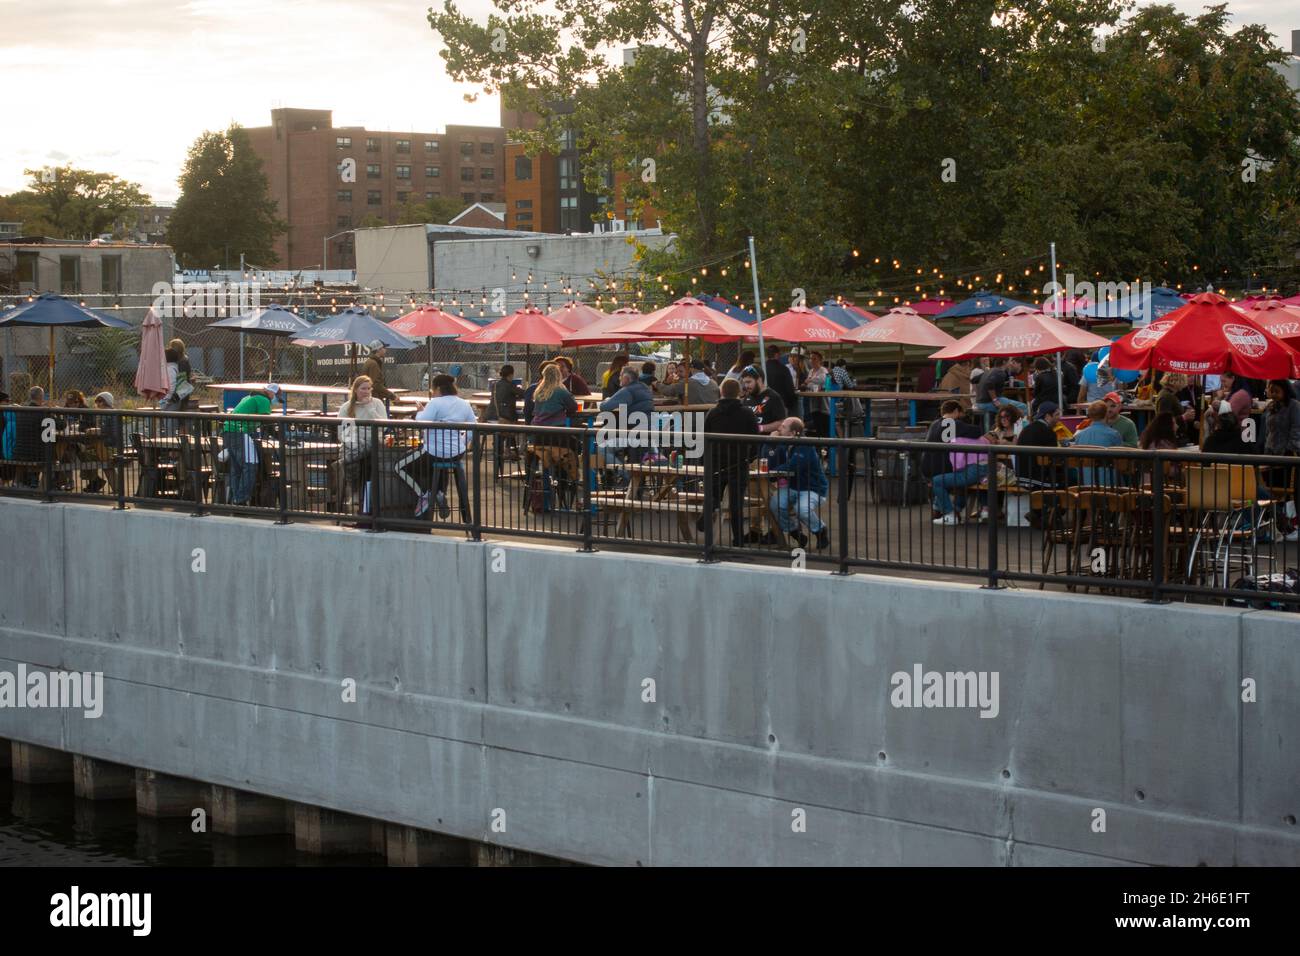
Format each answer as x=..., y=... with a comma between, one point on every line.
x=125, y=86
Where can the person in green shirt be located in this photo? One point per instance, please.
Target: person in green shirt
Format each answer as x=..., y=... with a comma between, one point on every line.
x=241, y=446
x=1127, y=430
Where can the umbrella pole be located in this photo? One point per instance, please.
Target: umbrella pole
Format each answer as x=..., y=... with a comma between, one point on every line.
x=270, y=372
x=429, y=339
x=898, y=374
x=1060, y=386
x=51, y=395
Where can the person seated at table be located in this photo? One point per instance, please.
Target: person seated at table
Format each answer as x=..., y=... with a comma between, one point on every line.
x=1094, y=391
x=989, y=395
x=649, y=375
x=356, y=439
x=967, y=471
x=956, y=379
x=1046, y=384
x=442, y=451
x=241, y=444
x=951, y=423
x=805, y=488
x=1004, y=426
x=1161, y=434
x=73, y=398
x=1122, y=424
x=730, y=458
x=1169, y=399
x=1229, y=386
x=609, y=381
x=698, y=389
x=1098, y=434
x=27, y=428
x=768, y=407
x=1224, y=433
x=572, y=381
x=108, y=429
x=743, y=361
x=1040, y=433
x=631, y=407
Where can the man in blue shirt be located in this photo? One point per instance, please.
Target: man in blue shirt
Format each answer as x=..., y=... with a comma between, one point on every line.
x=1098, y=434
x=631, y=408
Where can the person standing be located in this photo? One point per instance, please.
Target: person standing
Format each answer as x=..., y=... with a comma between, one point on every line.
x=767, y=406
x=374, y=370
x=356, y=438
x=730, y=458
x=779, y=379
x=241, y=445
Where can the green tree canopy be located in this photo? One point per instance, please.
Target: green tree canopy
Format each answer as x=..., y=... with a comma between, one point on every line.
x=225, y=207
x=68, y=203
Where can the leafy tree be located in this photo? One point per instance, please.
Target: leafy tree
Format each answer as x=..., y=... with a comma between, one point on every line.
x=68, y=203
x=439, y=210
x=225, y=207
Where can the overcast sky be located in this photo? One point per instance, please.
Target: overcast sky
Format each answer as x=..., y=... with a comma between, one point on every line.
x=125, y=86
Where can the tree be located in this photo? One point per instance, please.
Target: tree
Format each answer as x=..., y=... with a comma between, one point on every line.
x=439, y=210
x=67, y=203
x=225, y=208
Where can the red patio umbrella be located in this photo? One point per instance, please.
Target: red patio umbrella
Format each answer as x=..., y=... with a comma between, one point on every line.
x=577, y=315
x=931, y=306
x=1022, y=331
x=429, y=322
x=151, y=379
x=603, y=332
x=526, y=326
x=802, y=324
x=688, y=318
x=1207, y=336
x=901, y=326
x=1275, y=317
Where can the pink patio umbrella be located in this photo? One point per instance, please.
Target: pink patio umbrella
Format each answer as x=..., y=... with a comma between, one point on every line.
x=527, y=326
x=429, y=322
x=1274, y=316
x=901, y=326
x=577, y=315
x=604, y=332
x=931, y=307
x=151, y=379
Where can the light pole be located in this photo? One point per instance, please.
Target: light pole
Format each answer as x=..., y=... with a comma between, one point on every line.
x=325, y=248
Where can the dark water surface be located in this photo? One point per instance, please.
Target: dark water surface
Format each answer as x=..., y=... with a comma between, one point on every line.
x=46, y=825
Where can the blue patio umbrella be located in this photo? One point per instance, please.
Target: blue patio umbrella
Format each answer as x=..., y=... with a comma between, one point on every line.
x=983, y=304
x=273, y=320
x=1147, y=307
x=50, y=311
x=355, y=326
x=839, y=314
x=725, y=307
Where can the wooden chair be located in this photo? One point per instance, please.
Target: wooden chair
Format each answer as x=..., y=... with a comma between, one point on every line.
x=1221, y=503
x=1056, y=508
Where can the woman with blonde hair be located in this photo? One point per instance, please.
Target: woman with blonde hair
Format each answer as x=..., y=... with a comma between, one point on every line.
x=552, y=402
x=355, y=436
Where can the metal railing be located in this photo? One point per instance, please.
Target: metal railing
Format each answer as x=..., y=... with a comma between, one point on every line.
x=1156, y=525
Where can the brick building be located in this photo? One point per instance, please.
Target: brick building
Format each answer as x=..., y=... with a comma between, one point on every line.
x=327, y=179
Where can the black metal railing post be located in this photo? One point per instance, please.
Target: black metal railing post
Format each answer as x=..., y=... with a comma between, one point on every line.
x=1159, y=533
x=707, y=460
x=476, y=458
x=847, y=460
x=995, y=518
x=284, y=474
x=376, y=482
x=586, y=489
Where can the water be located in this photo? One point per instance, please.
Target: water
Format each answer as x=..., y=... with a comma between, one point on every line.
x=46, y=825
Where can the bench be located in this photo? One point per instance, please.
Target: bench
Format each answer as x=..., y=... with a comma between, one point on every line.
x=616, y=502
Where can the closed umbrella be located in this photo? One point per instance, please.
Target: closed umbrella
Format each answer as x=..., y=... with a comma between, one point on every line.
x=50, y=310
x=1207, y=336
x=151, y=379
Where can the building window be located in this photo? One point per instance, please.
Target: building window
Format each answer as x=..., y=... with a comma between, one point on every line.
x=372, y=144
x=110, y=275
x=487, y=149
x=27, y=263
x=343, y=142
x=343, y=222
x=467, y=174
x=523, y=217
x=70, y=275
x=467, y=150
x=432, y=172
x=487, y=172
x=487, y=197
x=402, y=197
x=403, y=145
x=569, y=212
x=568, y=170
x=523, y=168
x=467, y=198
x=568, y=140
x=344, y=195
x=430, y=145
x=523, y=204
x=403, y=172
x=372, y=171
x=429, y=196
x=345, y=247
x=374, y=197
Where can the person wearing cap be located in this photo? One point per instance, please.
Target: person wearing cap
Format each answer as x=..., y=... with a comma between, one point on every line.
x=374, y=370
x=571, y=380
x=241, y=446
x=1127, y=430
x=699, y=389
